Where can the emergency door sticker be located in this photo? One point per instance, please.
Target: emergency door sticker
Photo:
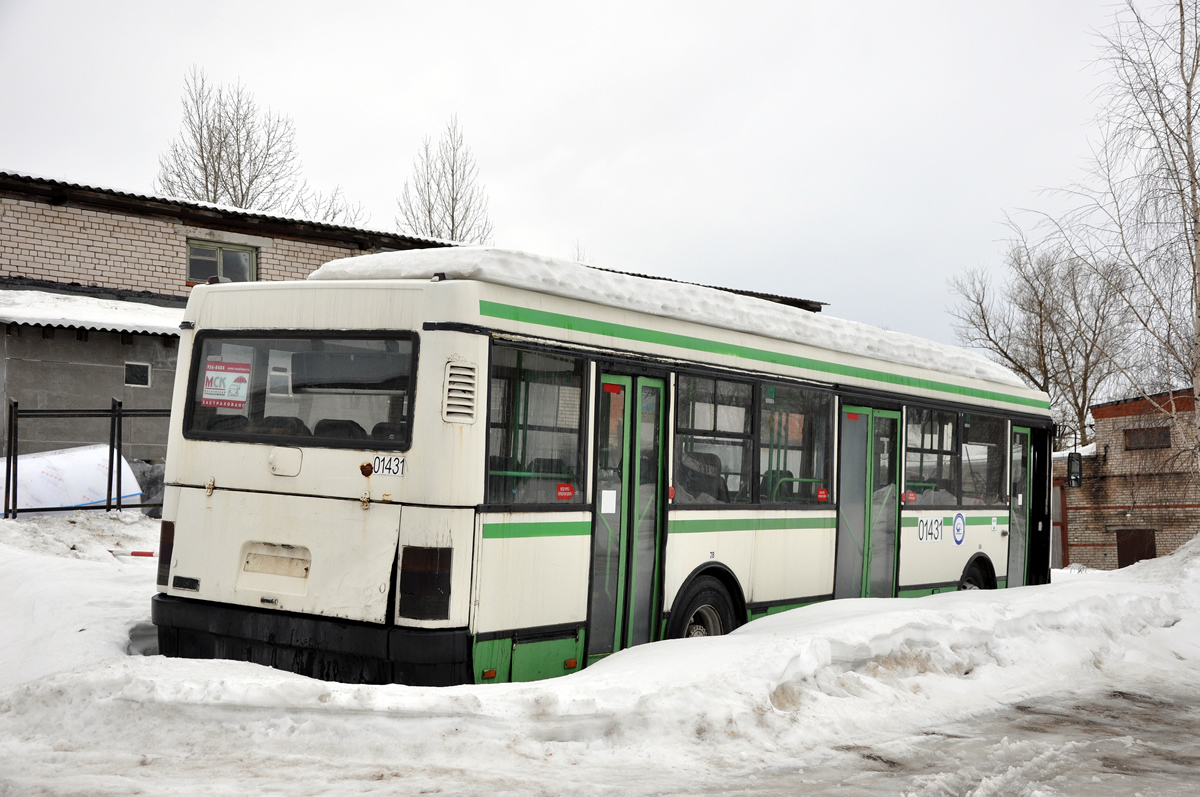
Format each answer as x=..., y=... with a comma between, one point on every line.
x=225, y=385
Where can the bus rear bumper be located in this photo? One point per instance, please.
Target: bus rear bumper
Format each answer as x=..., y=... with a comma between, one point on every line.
x=327, y=648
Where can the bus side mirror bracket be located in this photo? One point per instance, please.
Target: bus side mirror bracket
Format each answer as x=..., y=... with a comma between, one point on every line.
x=1074, y=469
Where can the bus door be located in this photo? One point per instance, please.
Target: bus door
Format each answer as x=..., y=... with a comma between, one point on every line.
x=1018, y=511
x=868, y=509
x=627, y=529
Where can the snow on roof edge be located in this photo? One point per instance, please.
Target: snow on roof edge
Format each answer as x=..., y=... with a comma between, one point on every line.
x=87, y=312
x=682, y=301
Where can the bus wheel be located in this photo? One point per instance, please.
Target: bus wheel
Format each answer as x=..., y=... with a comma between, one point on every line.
x=705, y=610
x=973, y=579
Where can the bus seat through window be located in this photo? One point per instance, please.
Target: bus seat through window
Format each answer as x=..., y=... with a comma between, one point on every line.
x=700, y=475
x=284, y=425
x=777, y=486
x=387, y=431
x=229, y=423
x=340, y=428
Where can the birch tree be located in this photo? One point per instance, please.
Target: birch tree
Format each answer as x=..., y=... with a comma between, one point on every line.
x=231, y=151
x=443, y=198
x=1136, y=227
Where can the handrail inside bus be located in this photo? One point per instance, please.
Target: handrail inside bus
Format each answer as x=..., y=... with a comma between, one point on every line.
x=530, y=474
x=785, y=480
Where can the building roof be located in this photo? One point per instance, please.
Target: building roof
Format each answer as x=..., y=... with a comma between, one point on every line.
x=58, y=192
x=43, y=308
x=1167, y=401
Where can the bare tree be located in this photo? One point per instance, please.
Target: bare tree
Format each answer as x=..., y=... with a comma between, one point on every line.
x=443, y=198
x=579, y=254
x=1053, y=322
x=1137, y=225
x=232, y=152
x=331, y=208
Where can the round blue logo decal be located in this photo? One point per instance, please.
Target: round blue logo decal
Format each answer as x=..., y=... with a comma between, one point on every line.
x=960, y=528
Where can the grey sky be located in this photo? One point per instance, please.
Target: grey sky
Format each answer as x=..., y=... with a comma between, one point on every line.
x=857, y=154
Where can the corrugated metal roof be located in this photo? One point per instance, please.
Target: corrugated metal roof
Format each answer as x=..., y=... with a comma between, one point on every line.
x=42, y=308
x=804, y=304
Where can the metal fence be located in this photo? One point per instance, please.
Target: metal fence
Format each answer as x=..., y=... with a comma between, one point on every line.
x=116, y=415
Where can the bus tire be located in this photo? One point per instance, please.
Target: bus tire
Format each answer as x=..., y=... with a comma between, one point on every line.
x=705, y=609
x=973, y=578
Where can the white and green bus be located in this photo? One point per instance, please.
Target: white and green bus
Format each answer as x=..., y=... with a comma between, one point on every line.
x=471, y=465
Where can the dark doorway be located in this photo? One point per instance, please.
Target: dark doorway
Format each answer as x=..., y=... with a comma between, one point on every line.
x=1134, y=545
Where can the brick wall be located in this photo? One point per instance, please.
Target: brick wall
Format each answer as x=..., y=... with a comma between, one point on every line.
x=1152, y=489
x=113, y=249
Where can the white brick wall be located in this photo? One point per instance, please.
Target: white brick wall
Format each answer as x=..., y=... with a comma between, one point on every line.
x=112, y=249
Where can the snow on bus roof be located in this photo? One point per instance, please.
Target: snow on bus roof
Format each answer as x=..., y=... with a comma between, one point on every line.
x=681, y=301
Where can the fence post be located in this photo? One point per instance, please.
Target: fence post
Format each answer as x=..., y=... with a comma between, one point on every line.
x=8, y=453
x=14, y=450
x=112, y=438
x=118, y=410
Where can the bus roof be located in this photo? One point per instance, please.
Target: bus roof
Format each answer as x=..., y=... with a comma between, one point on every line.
x=682, y=301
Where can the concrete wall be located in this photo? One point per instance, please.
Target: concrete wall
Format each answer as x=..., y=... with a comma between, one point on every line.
x=47, y=368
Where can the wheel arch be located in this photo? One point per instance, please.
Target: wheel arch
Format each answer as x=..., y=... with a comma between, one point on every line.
x=728, y=579
x=984, y=563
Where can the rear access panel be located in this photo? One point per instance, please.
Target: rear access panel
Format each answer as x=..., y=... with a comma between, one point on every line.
x=318, y=556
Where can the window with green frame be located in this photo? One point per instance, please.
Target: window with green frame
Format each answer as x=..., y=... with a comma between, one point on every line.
x=207, y=259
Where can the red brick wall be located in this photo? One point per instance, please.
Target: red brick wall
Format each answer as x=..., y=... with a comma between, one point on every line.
x=1140, y=489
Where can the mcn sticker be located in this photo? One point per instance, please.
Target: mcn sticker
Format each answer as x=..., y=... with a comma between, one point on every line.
x=225, y=385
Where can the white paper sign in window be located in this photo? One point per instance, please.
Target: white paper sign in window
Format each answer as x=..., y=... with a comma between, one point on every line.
x=226, y=385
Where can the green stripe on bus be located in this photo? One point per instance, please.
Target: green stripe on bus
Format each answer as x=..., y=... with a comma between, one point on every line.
x=750, y=524
x=908, y=521
x=508, y=531
x=589, y=326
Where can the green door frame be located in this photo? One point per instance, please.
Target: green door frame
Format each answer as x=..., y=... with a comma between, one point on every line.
x=871, y=414
x=1028, y=432
x=633, y=435
x=632, y=511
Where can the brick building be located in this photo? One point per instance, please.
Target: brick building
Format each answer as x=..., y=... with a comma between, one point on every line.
x=1140, y=497
x=130, y=250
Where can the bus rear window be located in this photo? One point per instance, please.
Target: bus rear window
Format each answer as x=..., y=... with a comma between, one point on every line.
x=333, y=391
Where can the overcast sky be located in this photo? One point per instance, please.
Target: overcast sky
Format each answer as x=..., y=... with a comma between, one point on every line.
x=858, y=154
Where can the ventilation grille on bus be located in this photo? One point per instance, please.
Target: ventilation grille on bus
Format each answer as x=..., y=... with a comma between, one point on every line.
x=459, y=403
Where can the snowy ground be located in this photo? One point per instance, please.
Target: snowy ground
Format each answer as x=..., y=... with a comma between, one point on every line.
x=1087, y=686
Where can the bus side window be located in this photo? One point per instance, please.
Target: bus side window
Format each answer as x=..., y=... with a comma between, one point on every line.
x=535, y=417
